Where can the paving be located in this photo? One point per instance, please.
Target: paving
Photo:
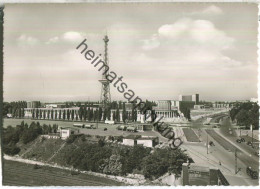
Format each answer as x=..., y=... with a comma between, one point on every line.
x=190, y=135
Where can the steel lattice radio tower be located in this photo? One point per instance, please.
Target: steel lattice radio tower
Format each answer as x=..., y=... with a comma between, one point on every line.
x=105, y=97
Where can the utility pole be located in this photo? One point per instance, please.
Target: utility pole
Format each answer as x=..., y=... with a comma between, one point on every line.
x=252, y=135
x=236, y=161
x=207, y=143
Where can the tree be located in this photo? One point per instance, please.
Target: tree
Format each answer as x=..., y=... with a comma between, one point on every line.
x=77, y=115
x=68, y=114
x=64, y=115
x=243, y=118
x=88, y=114
x=120, y=105
x=91, y=114
x=117, y=115
x=114, y=116
x=37, y=114
x=80, y=113
x=11, y=149
x=45, y=129
x=49, y=129
x=20, y=113
x=54, y=128
x=48, y=114
x=105, y=115
x=56, y=114
x=52, y=114
x=124, y=116
x=85, y=113
x=40, y=114
x=100, y=112
x=59, y=114
x=72, y=114
x=33, y=114
x=44, y=114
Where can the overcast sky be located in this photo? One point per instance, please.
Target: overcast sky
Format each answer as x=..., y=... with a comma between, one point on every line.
x=161, y=50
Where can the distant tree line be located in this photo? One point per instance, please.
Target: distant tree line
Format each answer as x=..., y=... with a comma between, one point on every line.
x=24, y=134
x=14, y=108
x=246, y=114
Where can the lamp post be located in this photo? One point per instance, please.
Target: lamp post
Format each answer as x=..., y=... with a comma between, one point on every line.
x=251, y=127
x=207, y=143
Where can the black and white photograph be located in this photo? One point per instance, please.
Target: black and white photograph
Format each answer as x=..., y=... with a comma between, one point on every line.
x=129, y=94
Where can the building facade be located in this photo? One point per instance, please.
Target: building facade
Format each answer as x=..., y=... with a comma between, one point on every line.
x=190, y=98
x=33, y=104
x=146, y=141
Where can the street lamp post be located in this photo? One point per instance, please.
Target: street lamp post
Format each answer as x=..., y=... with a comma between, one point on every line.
x=207, y=143
x=235, y=161
x=252, y=134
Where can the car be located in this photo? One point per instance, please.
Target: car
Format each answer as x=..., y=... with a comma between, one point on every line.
x=105, y=129
x=257, y=154
x=211, y=143
x=121, y=127
x=238, y=140
x=242, y=140
x=131, y=129
x=249, y=143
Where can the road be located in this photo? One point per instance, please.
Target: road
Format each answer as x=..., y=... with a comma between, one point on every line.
x=224, y=150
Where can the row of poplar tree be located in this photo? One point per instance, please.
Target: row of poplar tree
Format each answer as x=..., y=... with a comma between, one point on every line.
x=86, y=113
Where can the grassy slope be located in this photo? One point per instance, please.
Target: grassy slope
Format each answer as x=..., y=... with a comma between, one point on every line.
x=21, y=174
x=43, y=150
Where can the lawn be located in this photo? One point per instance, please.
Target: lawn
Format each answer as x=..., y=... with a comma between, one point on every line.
x=22, y=174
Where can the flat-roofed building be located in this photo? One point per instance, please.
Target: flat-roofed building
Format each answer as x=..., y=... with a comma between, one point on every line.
x=146, y=141
x=190, y=98
x=185, y=97
x=33, y=104
x=163, y=105
x=66, y=132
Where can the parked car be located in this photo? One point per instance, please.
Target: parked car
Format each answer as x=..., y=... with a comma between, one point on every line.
x=90, y=127
x=238, y=140
x=249, y=143
x=121, y=127
x=211, y=143
x=105, y=129
x=242, y=140
x=131, y=129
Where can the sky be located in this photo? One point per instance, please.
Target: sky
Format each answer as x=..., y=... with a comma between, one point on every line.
x=161, y=50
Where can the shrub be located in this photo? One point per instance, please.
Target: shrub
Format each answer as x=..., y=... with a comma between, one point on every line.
x=71, y=139
x=83, y=138
x=36, y=166
x=119, y=138
x=11, y=150
x=111, y=138
x=101, y=142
